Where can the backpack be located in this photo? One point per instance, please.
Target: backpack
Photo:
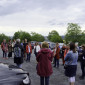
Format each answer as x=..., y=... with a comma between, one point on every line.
x=17, y=52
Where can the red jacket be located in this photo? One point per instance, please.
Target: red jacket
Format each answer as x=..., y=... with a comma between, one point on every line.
x=44, y=59
x=57, y=55
x=27, y=49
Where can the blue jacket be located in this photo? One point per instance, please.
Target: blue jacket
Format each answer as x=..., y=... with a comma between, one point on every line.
x=71, y=58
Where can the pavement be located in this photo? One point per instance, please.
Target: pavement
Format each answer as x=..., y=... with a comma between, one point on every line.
x=57, y=78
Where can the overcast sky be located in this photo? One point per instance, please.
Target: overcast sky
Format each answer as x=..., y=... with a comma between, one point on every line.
x=41, y=16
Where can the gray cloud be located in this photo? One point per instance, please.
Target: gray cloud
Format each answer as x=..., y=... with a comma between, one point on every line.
x=23, y=5
x=41, y=13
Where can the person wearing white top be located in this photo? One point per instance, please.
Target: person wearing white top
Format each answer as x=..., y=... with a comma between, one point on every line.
x=36, y=48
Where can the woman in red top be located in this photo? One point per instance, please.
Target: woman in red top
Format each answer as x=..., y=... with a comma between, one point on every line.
x=56, y=55
x=28, y=51
x=44, y=67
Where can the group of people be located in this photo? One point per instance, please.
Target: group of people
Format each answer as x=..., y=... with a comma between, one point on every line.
x=45, y=56
x=69, y=56
x=20, y=50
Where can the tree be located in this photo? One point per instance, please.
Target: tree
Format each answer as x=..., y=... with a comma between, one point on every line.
x=53, y=36
x=73, y=32
x=22, y=35
x=82, y=38
x=3, y=36
x=37, y=37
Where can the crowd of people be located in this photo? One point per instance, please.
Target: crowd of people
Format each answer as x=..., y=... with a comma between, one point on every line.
x=45, y=56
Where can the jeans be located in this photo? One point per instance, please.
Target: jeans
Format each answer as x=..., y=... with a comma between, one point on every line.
x=46, y=80
x=56, y=60
x=4, y=54
x=28, y=56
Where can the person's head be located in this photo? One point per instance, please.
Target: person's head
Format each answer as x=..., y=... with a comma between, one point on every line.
x=10, y=40
x=25, y=40
x=83, y=47
x=14, y=40
x=18, y=41
x=72, y=47
x=37, y=43
x=57, y=44
x=22, y=41
x=29, y=43
x=4, y=40
x=45, y=45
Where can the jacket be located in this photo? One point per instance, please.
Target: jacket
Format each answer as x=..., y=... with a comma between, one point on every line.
x=82, y=57
x=27, y=49
x=19, y=60
x=71, y=58
x=57, y=55
x=44, y=59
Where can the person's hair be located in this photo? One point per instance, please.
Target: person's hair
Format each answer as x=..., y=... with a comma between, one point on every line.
x=83, y=46
x=18, y=41
x=45, y=45
x=72, y=47
x=37, y=43
x=25, y=40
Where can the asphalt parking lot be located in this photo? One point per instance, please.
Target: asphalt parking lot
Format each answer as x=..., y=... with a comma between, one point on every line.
x=57, y=78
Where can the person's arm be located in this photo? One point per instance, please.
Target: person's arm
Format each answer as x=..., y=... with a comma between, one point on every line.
x=51, y=56
x=27, y=49
x=67, y=56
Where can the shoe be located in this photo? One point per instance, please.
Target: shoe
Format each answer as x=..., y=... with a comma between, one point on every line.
x=6, y=58
x=81, y=77
x=54, y=66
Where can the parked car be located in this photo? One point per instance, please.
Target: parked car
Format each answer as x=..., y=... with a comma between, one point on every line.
x=11, y=75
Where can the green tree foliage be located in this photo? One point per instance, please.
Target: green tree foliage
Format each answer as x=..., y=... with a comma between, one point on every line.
x=3, y=36
x=53, y=36
x=73, y=32
x=37, y=37
x=82, y=38
x=22, y=35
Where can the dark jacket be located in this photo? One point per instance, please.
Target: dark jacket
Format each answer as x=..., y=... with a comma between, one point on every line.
x=82, y=57
x=44, y=59
x=19, y=60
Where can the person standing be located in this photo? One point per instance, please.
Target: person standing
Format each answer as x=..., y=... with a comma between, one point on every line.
x=18, y=54
x=36, y=48
x=9, y=48
x=13, y=44
x=56, y=55
x=63, y=50
x=44, y=67
x=24, y=45
x=4, y=48
x=28, y=51
x=71, y=63
x=82, y=61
